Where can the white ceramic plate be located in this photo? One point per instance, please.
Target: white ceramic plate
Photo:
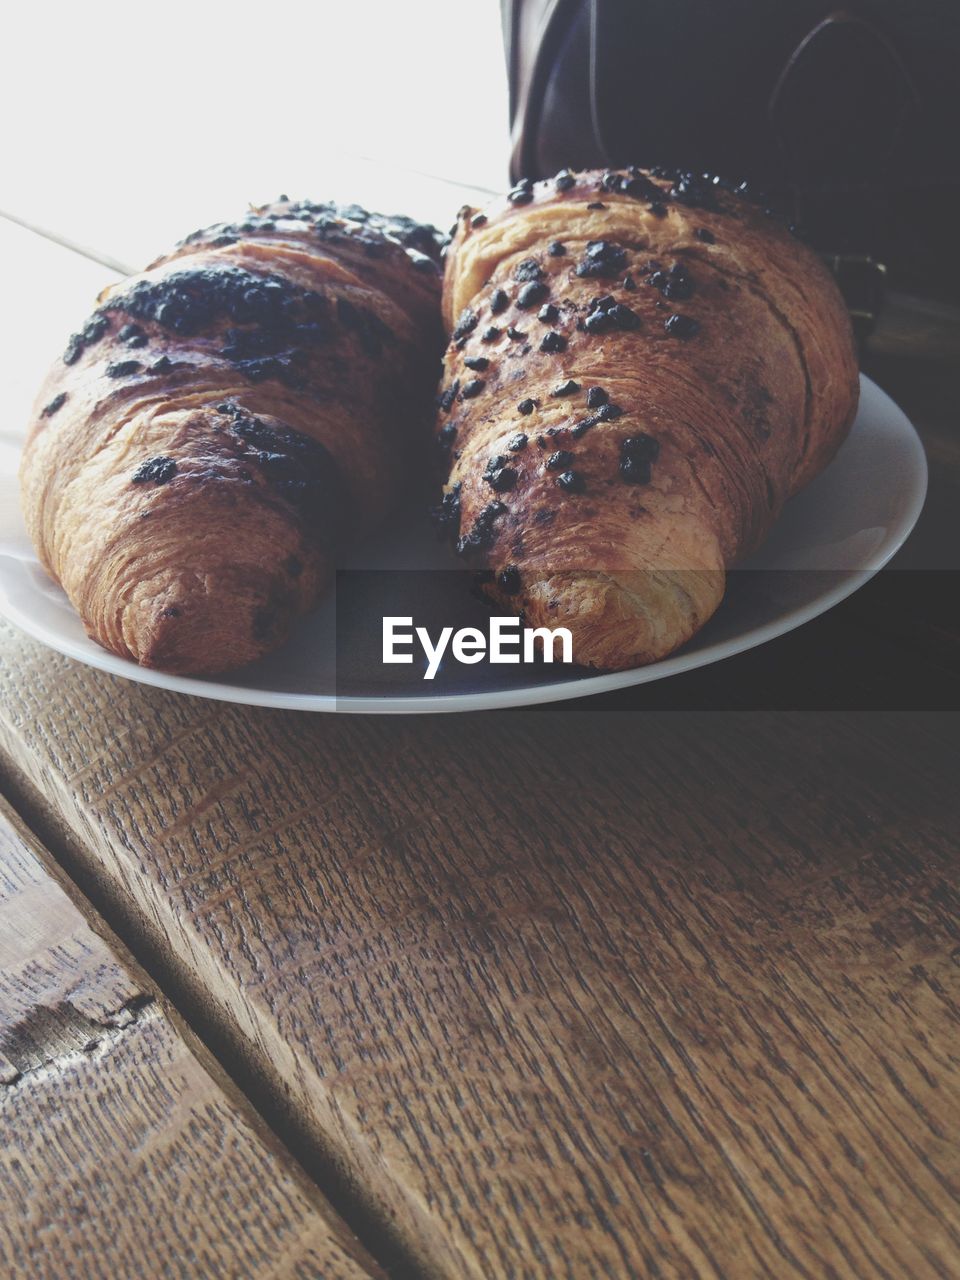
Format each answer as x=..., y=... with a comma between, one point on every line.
x=830, y=539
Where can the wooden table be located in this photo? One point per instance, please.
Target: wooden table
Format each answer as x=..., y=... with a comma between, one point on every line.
x=657, y=986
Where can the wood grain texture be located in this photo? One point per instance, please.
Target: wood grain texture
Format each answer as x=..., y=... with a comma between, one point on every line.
x=565, y=994
x=122, y=1154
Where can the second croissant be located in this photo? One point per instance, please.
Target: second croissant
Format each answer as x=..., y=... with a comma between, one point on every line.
x=643, y=367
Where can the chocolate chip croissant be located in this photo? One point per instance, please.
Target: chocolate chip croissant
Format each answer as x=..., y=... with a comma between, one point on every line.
x=223, y=420
x=643, y=367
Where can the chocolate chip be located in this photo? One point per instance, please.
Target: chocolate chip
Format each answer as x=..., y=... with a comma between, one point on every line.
x=499, y=477
x=479, y=363
x=123, y=368
x=508, y=580
x=447, y=434
x=559, y=461
x=161, y=365
x=531, y=294
x=564, y=180
x=629, y=283
x=472, y=388
x=571, y=482
x=158, y=470
x=634, y=471
x=606, y=413
x=515, y=334
x=499, y=301
x=596, y=205
x=658, y=209
x=446, y=517
x=520, y=195
x=527, y=406
x=56, y=403
x=484, y=531
x=640, y=187
x=490, y=334
x=553, y=342
x=548, y=313
x=528, y=269
x=517, y=443
x=568, y=388
x=682, y=326
x=707, y=236
x=602, y=258
x=675, y=284
x=596, y=396
x=478, y=220
x=448, y=396
x=556, y=249
x=694, y=191
x=607, y=314
x=466, y=324
x=642, y=447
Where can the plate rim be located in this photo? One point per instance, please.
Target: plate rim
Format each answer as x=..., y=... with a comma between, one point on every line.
x=530, y=695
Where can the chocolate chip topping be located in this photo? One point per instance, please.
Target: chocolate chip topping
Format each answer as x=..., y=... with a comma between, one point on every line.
x=466, y=324
x=559, y=461
x=448, y=396
x=548, y=313
x=637, y=453
x=596, y=396
x=679, y=326
x=484, y=532
x=531, y=294
x=490, y=334
x=123, y=368
x=572, y=482
x=607, y=314
x=477, y=363
x=157, y=470
x=553, y=342
x=556, y=249
x=675, y=284
x=602, y=258
x=568, y=388
x=527, y=406
x=446, y=517
x=56, y=403
x=498, y=475
x=517, y=443
x=472, y=388
x=528, y=269
x=499, y=301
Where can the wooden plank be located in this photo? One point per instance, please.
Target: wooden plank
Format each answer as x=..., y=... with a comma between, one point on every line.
x=124, y=1151
x=564, y=994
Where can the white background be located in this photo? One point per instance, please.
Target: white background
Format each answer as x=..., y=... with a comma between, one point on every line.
x=124, y=126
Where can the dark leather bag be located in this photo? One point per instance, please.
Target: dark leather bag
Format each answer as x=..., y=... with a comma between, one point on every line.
x=846, y=118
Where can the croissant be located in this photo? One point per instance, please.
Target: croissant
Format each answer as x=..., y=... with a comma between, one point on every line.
x=224, y=420
x=643, y=367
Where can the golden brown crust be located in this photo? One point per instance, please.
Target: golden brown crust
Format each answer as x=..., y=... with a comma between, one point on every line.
x=222, y=420
x=724, y=375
